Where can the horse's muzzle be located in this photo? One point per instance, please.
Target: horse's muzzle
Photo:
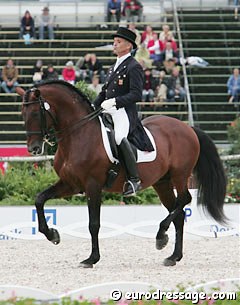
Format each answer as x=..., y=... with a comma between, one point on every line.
x=36, y=148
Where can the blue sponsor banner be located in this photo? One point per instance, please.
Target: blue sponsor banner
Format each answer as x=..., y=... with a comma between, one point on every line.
x=50, y=215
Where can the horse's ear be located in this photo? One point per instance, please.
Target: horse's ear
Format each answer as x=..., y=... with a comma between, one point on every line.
x=20, y=91
x=37, y=93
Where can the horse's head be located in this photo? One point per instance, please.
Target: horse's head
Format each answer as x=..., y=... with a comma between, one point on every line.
x=38, y=119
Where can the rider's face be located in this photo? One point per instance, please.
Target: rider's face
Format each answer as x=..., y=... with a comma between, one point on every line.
x=121, y=46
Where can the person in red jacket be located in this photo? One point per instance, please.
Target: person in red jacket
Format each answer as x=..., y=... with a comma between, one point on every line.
x=68, y=73
x=155, y=47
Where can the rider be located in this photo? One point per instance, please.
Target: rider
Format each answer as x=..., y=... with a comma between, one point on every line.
x=122, y=89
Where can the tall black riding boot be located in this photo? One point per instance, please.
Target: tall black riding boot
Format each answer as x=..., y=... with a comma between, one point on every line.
x=133, y=184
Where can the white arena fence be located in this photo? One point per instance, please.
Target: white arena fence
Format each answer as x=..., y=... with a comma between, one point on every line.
x=51, y=157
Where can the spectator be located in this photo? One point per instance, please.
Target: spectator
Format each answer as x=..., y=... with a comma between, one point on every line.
x=169, y=53
x=142, y=56
x=132, y=27
x=83, y=71
x=38, y=71
x=68, y=73
x=170, y=38
x=133, y=8
x=114, y=9
x=168, y=66
x=236, y=4
x=233, y=85
x=165, y=32
x=147, y=35
x=46, y=23
x=148, y=86
x=95, y=68
x=175, y=87
x=9, y=77
x=27, y=26
x=161, y=91
x=50, y=73
x=95, y=86
x=155, y=47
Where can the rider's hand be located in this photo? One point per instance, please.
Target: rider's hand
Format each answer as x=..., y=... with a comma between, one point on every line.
x=106, y=105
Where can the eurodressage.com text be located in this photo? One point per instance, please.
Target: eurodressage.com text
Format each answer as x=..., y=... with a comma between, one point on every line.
x=159, y=295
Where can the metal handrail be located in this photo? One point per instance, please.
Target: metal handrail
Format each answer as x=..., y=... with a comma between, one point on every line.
x=186, y=85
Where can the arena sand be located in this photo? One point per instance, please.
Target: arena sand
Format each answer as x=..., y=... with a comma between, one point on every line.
x=40, y=264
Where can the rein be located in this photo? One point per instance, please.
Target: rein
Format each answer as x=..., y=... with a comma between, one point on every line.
x=45, y=132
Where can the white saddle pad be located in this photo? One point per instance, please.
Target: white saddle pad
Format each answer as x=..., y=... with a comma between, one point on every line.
x=142, y=156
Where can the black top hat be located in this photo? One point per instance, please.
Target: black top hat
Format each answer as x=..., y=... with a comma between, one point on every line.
x=126, y=34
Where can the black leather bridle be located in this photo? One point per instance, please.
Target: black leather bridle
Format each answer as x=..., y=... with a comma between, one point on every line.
x=47, y=134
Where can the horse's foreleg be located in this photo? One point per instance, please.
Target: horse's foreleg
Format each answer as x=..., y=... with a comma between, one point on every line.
x=94, y=203
x=55, y=191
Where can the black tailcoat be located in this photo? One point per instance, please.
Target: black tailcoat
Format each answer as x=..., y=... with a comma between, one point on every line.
x=125, y=84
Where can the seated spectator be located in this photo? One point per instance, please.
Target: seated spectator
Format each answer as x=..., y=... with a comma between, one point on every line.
x=168, y=66
x=148, y=86
x=46, y=23
x=83, y=67
x=132, y=27
x=133, y=8
x=147, y=35
x=169, y=53
x=233, y=85
x=9, y=77
x=38, y=72
x=27, y=26
x=95, y=86
x=175, y=86
x=155, y=47
x=170, y=38
x=142, y=56
x=161, y=95
x=68, y=73
x=50, y=73
x=114, y=10
x=95, y=68
x=165, y=32
x=171, y=87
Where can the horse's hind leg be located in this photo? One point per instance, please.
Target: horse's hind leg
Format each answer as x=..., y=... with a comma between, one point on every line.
x=176, y=214
x=57, y=190
x=164, y=189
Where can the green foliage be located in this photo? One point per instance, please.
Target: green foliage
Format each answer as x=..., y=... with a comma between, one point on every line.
x=83, y=87
x=23, y=181
x=232, y=166
x=234, y=136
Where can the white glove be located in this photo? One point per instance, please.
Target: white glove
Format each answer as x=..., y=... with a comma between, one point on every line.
x=106, y=105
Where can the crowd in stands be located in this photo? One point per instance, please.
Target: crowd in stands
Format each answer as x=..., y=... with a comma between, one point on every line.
x=157, y=53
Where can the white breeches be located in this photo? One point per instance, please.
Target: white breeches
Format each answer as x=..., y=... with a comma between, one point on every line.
x=121, y=123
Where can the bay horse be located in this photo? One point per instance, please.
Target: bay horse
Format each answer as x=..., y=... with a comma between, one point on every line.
x=82, y=163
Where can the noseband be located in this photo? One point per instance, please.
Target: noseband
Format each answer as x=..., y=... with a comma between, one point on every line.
x=43, y=112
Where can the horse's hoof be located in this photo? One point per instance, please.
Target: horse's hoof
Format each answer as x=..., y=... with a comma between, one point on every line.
x=169, y=262
x=55, y=237
x=85, y=264
x=161, y=243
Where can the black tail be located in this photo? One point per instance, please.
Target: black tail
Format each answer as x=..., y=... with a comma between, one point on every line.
x=211, y=177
